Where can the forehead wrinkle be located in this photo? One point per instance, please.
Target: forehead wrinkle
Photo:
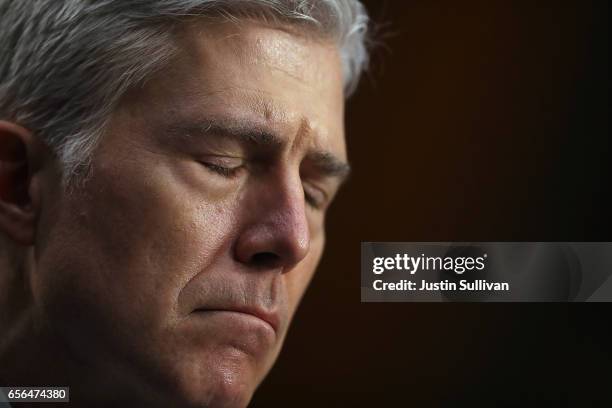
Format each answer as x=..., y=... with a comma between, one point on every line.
x=277, y=117
x=297, y=131
x=230, y=94
x=266, y=108
x=235, y=101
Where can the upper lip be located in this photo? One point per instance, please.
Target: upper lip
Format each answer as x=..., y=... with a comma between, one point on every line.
x=270, y=317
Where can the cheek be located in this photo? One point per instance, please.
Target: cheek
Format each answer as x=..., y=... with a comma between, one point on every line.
x=124, y=248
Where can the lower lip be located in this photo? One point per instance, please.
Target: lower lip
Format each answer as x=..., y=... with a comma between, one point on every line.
x=237, y=315
x=243, y=323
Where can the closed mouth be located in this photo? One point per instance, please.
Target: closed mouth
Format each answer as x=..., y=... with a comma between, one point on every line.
x=271, y=319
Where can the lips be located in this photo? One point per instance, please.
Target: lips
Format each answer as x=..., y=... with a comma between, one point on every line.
x=269, y=317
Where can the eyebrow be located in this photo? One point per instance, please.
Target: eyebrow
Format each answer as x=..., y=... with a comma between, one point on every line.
x=329, y=165
x=240, y=131
x=325, y=162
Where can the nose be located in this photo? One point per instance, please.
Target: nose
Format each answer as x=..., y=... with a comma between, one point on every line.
x=276, y=233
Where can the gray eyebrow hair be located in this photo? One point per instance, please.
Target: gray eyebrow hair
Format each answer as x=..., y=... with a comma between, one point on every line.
x=325, y=162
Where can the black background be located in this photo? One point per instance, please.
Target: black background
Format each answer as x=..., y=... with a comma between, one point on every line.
x=478, y=121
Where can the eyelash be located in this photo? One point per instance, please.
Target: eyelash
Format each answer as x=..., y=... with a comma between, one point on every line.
x=311, y=201
x=223, y=171
x=233, y=171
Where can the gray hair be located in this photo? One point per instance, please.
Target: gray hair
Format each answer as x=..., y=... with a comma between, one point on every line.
x=65, y=64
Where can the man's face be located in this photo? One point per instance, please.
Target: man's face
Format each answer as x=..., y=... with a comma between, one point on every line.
x=177, y=267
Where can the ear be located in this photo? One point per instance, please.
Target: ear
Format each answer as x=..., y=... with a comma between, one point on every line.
x=18, y=195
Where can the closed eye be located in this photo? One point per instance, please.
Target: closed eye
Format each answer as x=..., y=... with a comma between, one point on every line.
x=226, y=166
x=314, y=197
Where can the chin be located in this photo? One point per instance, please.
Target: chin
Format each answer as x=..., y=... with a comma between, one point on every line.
x=225, y=379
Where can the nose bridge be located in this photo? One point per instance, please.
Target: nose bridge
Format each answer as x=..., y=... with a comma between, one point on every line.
x=292, y=221
x=287, y=220
x=279, y=225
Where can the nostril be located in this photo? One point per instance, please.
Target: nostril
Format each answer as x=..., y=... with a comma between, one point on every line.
x=265, y=260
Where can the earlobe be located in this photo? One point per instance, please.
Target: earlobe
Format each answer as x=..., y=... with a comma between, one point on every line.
x=17, y=209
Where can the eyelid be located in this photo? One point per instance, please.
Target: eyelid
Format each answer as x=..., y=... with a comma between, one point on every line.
x=313, y=201
x=223, y=160
x=227, y=166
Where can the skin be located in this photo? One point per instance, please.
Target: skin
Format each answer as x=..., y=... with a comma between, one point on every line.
x=171, y=275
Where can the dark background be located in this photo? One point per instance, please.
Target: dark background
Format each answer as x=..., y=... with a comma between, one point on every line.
x=478, y=121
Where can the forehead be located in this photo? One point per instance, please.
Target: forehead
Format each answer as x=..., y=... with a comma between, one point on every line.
x=255, y=73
